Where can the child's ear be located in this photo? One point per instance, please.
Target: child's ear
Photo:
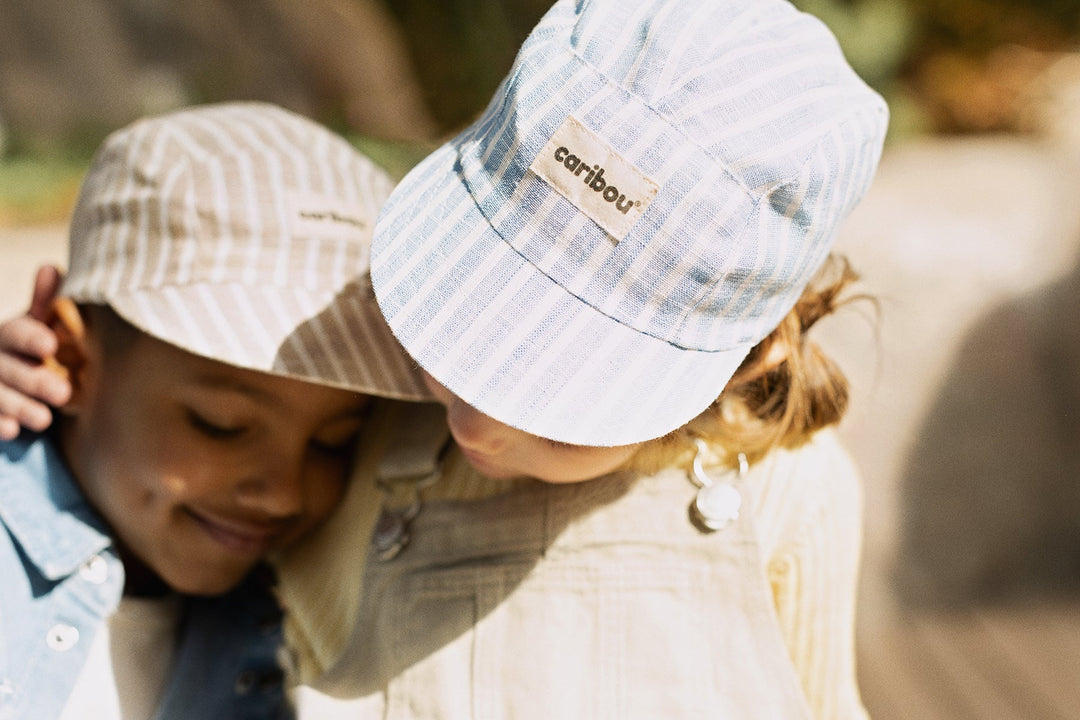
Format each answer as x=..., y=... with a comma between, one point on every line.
x=72, y=353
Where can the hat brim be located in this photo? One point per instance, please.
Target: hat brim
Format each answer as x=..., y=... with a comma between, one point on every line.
x=331, y=338
x=508, y=340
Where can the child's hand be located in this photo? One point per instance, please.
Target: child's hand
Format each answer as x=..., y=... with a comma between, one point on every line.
x=28, y=385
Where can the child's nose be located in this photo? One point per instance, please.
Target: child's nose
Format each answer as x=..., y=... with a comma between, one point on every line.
x=276, y=489
x=473, y=429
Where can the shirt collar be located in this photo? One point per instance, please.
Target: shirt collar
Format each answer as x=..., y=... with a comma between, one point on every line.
x=44, y=510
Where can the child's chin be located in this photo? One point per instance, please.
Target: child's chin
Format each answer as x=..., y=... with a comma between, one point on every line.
x=208, y=583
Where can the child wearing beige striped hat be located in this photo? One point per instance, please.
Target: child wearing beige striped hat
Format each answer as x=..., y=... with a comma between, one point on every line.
x=220, y=341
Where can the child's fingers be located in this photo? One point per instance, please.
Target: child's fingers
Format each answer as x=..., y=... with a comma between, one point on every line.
x=17, y=410
x=46, y=286
x=9, y=428
x=31, y=382
x=28, y=337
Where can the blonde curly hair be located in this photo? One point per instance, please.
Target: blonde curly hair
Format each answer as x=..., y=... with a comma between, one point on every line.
x=785, y=390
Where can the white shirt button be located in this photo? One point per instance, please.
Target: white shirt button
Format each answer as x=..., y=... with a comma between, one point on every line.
x=62, y=637
x=95, y=570
x=717, y=506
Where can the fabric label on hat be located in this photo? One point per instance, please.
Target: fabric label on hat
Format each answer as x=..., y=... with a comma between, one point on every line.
x=582, y=167
x=319, y=216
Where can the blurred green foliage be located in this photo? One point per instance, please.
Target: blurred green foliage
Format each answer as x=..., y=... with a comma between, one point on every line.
x=38, y=188
x=397, y=158
x=874, y=34
x=462, y=49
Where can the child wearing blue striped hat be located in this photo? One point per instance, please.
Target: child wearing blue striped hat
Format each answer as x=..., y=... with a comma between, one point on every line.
x=605, y=279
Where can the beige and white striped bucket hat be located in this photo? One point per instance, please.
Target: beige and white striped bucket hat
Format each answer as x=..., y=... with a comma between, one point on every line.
x=241, y=232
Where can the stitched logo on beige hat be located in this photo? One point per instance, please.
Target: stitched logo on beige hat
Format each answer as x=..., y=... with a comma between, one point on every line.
x=319, y=216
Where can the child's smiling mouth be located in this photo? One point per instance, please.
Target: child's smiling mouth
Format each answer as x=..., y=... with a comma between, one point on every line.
x=239, y=535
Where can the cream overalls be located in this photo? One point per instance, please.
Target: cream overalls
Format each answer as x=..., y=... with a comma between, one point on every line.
x=591, y=600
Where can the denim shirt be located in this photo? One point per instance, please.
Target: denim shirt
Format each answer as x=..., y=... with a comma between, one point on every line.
x=62, y=579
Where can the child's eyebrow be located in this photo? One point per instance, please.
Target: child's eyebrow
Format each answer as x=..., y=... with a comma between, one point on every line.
x=218, y=383
x=356, y=413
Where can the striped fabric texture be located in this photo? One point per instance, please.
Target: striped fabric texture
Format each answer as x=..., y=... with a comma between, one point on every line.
x=643, y=200
x=241, y=232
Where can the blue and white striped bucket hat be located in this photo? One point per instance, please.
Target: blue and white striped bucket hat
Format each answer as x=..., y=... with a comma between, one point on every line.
x=241, y=232
x=643, y=200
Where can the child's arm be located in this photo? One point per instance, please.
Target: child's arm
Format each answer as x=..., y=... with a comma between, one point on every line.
x=810, y=520
x=27, y=384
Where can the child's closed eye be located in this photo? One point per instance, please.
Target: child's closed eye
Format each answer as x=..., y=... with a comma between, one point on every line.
x=212, y=429
x=339, y=439
x=335, y=449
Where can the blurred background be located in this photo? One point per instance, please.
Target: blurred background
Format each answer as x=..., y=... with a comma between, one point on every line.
x=966, y=411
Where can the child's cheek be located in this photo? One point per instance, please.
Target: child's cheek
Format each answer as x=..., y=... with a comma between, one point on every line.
x=175, y=486
x=186, y=471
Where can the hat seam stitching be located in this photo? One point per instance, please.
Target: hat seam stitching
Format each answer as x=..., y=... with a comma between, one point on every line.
x=667, y=120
